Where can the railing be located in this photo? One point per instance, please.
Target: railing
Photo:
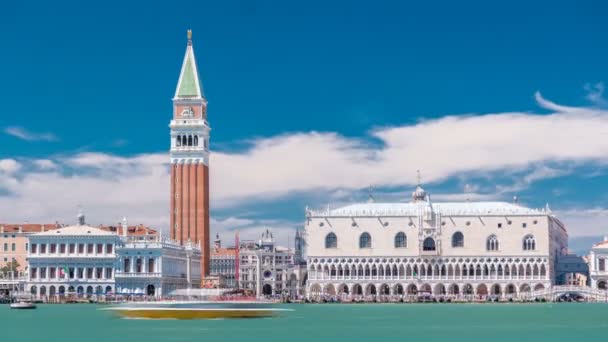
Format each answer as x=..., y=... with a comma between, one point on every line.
x=138, y=275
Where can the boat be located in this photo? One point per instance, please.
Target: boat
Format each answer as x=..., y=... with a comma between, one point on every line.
x=23, y=305
x=198, y=304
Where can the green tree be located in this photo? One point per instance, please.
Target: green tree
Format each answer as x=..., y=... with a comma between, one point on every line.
x=11, y=266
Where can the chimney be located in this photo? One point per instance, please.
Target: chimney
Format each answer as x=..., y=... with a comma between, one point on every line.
x=42, y=228
x=1, y=229
x=20, y=229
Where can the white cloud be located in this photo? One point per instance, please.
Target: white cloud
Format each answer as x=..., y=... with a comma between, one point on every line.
x=585, y=222
x=273, y=168
x=45, y=164
x=595, y=94
x=9, y=166
x=24, y=134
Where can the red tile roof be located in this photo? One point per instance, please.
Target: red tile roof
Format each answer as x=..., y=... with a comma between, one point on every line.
x=138, y=230
x=28, y=227
x=215, y=252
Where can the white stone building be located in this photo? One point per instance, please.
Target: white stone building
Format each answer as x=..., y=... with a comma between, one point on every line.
x=269, y=270
x=154, y=265
x=598, y=268
x=72, y=260
x=442, y=249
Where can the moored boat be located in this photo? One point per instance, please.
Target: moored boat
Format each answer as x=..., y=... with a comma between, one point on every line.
x=23, y=305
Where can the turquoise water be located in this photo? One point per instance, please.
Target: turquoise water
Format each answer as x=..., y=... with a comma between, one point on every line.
x=329, y=322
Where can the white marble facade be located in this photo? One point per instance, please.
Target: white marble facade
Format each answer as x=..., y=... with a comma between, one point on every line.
x=72, y=260
x=155, y=266
x=598, y=265
x=448, y=249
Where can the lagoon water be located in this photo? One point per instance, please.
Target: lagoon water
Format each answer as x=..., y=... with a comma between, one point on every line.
x=328, y=322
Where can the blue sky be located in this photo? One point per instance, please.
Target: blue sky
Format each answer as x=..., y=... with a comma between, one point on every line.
x=86, y=99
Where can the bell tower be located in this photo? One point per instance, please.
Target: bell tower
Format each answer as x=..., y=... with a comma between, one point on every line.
x=190, y=160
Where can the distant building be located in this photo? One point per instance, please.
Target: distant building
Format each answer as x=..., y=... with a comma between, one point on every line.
x=455, y=249
x=269, y=270
x=14, y=244
x=223, y=263
x=77, y=259
x=128, y=260
x=598, y=270
x=571, y=269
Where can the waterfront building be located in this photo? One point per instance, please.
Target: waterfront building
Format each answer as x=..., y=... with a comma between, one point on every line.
x=223, y=263
x=76, y=259
x=433, y=248
x=14, y=246
x=269, y=270
x=571, y=269
x=189, y=156
x=155, y=266
x=598, y=271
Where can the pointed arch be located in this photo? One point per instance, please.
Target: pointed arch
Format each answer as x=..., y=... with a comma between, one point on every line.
x=400, y=240
x=529, y=243
x=196, y=140
x=331, y=240
x=492, y=243
x=365, y=240
x=457, y=240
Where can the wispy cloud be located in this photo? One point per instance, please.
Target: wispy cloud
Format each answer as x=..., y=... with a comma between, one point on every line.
x=24, y=134
x=595, y=94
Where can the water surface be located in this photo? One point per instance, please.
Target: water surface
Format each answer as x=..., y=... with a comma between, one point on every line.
x=328, y=322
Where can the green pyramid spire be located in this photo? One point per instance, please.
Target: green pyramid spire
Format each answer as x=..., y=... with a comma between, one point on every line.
x=189, y=85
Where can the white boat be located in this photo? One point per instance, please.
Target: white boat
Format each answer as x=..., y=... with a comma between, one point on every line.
x=23, y=305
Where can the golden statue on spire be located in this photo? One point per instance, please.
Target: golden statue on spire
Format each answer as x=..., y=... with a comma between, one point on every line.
x=189, y=37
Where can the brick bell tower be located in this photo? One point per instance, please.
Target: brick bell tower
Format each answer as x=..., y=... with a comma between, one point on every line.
x=190, y=160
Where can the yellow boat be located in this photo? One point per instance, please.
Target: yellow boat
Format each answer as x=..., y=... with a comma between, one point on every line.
x=194, y=311
x=220, y=306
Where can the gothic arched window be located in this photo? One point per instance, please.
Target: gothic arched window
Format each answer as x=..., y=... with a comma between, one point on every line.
x=492, y=243
x=195, y=140
x=178, y=141
x=529, y=243
x=365, y=241
x=189, y=140
x=400, y=240
x=331, y=241
x=428, y=244
x=458, y=240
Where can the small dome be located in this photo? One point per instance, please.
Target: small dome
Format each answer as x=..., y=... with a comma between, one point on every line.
x=419, y=194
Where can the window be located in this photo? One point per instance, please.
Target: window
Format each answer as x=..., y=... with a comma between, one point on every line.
x=331, y=241
x=500, y=225
x=6, y=247
x=80, y=248
x=458, y=240
x=71, y=248
x=108, y=272
x=42, y=272
x=602, y=265
x=428, y=244
x=62, y=248
x=138, y=265
x=529, y=243
x=53, y=248
x=26, y=246
x=90, y=273
x=80, y=273
x=99, y=248
x=492, y=243
x=98, y=272
x=89, y=248
x=365, y=241
x=34, y=273
x=151, y=265
x=52, y=272
x=43, y=248
x=400, y=240
x=13, y=247
x=109, y=248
